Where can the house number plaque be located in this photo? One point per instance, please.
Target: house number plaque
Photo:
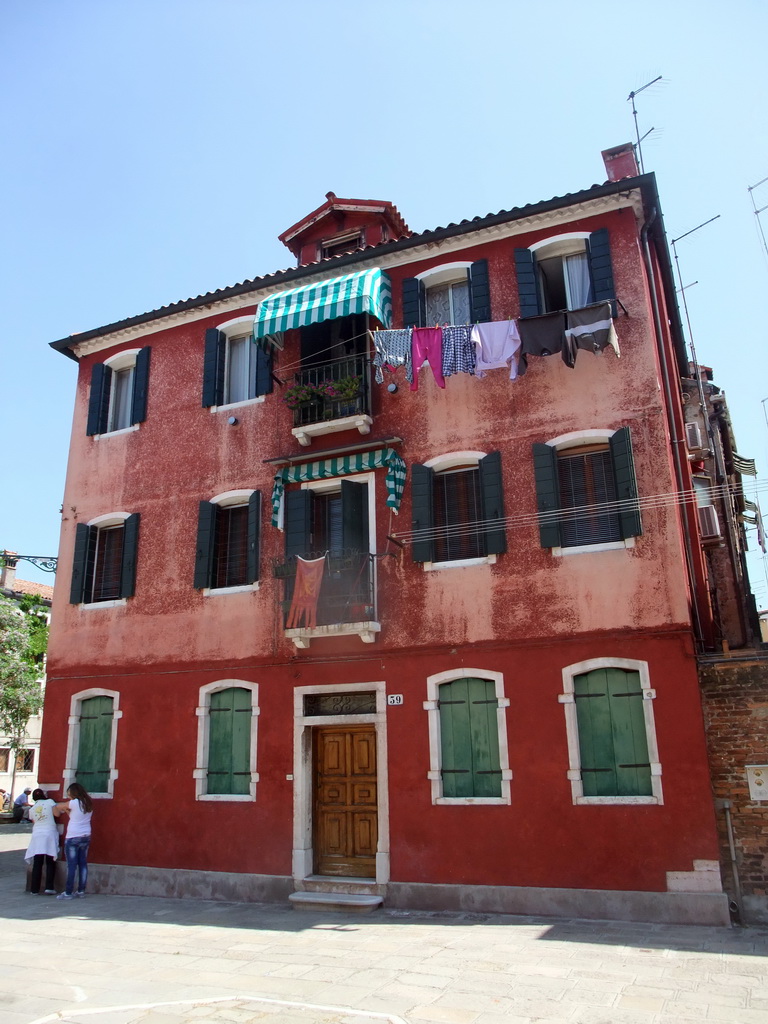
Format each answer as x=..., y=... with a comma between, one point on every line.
x=394, y=698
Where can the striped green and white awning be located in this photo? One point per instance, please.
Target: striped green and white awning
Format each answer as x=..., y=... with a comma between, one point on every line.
x=368, y=291
x=343, y=466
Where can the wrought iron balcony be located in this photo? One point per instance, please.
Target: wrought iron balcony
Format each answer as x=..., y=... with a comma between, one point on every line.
x=331, y=396
x=347, y=593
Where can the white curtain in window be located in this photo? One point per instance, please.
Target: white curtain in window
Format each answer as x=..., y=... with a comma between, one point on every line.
x=237, y=377
x=438, y=305
x=577, y=280
x=122, y=396
x=460, y=302
x=448, y=304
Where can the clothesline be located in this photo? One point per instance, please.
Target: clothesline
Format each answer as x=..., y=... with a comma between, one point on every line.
x=477, y=348
x=669, y=499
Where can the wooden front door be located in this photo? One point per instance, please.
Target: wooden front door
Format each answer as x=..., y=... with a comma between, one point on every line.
x=345, y=807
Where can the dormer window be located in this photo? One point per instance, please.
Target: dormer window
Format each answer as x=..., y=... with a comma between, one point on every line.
x=348, y=242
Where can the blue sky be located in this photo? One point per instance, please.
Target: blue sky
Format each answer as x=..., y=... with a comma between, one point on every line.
x=154, y=150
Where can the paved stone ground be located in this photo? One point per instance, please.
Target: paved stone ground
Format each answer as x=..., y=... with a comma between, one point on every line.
x=134, y=960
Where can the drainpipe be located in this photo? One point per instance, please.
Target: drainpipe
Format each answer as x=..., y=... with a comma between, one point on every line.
x=668, y=394
x=735, y=905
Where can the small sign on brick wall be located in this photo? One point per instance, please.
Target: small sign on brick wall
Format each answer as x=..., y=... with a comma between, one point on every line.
x=757, y=778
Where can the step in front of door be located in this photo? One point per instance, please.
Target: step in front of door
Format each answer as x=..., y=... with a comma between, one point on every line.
x=340, y=902
x=338, y=883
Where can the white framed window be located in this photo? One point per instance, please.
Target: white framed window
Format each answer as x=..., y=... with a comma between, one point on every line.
x=468, y=750
x=92, y=741
x=458, y=510
x=104, y=561
x=228, y=539
x=237, y=371
x=612, y=749
x=227, y=719
x=447, y=298
x=118, y=395
x=335, y=518
x=587, y=492
x=563, y=273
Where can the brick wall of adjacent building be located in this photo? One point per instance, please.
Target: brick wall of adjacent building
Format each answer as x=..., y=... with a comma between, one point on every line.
x=735, y=702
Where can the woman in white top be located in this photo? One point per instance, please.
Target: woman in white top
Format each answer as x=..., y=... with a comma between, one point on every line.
x=79, y=807
x=43, y=846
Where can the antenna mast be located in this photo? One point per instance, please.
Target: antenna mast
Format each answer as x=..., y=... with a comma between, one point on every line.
x=631, y=98
x=751, y=189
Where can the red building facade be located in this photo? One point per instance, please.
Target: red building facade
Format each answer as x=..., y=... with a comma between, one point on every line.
x=495, y=703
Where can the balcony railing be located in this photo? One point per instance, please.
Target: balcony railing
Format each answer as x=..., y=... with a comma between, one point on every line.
x=343, y=373
x=347, y=593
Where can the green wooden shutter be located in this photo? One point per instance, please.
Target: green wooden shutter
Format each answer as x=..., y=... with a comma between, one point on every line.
x=213, y=367
x=354, y=516
x=206, y=532
x=626, y=483
x=298, y=523
x=264, y=380
x=80, y=563
x=469, y=738
x=613, y=744
x=600, y=267
x=98, y=401
x=527, y=282
x=493, y=504
x=229, y=742
x=479, y=292
x=140, y=386
x=130, y=553
x=422, y=477
x=547, y=494
x=254, y=537
x=96, y=716
x=414, y=302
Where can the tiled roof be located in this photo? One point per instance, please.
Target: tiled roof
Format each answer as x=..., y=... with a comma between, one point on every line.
x=462, y=227
x=35, y=589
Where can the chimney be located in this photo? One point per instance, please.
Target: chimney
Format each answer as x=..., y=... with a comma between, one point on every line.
x=8, y=570
x=620, y=162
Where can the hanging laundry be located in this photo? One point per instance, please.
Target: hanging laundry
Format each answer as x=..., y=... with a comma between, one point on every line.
x=545, y=336
x=458, y=350
x=306, y=592
x=393, y=348
x=497, y=344
x=427, y=347
x=591, y=328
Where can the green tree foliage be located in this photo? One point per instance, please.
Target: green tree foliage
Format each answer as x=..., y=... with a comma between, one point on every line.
x=23, y=640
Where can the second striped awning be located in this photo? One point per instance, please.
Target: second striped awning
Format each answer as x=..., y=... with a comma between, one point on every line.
x=367, y=291
x=342, y=466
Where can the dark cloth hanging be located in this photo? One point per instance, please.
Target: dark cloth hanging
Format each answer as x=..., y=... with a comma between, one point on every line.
x=591, y=328
x=545, y=336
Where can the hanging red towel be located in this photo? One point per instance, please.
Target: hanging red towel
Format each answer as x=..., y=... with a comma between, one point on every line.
x=306, y=591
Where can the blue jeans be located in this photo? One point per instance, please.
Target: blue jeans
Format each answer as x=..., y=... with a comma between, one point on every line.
x=76, y=851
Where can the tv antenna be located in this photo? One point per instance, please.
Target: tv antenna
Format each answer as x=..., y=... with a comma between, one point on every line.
x=751, y=189
x=631, y=98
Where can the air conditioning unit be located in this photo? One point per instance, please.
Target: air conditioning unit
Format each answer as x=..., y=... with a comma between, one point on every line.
x=693, y=436
x=708, y=523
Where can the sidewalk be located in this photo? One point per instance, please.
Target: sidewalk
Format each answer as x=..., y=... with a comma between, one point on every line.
x=125, y=960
